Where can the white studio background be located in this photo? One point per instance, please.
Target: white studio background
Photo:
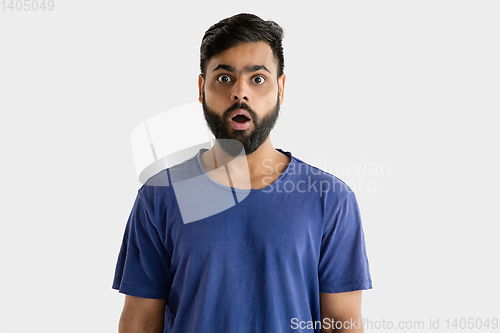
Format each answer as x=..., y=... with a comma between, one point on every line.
x=397, y=98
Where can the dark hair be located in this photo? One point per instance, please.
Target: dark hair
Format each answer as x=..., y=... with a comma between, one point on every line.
x=238, y=29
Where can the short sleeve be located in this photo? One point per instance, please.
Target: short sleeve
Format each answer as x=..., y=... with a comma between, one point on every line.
x=143, y=264
x=343, y=264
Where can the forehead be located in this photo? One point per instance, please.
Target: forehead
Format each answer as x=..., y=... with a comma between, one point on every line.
x=245, y=55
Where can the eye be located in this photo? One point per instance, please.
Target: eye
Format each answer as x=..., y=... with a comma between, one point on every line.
x=224, y=78
x=259, y=79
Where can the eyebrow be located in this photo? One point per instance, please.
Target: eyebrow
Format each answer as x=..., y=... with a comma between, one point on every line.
x=248, y=69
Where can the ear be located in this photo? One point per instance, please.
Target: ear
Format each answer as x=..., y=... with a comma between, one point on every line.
x=201, y=85
x=281, y=87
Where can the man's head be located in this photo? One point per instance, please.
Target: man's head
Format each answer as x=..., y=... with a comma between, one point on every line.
x=241, y=82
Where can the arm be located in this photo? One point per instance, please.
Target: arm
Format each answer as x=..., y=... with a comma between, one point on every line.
x=142, y=315
x=342, y=307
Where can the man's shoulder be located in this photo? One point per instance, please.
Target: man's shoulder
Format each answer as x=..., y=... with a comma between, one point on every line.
x=164, y=178
x=304, y=171
x=161, y=183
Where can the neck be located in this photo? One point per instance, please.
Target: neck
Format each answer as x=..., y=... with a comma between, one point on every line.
x=256, y=170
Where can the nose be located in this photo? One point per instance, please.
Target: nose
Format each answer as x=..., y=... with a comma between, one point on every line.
x=240, y=92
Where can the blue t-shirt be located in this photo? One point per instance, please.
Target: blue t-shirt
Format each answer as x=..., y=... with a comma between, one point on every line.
x=233, y=260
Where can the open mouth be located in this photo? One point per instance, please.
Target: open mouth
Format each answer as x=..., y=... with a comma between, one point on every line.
x=240, y=118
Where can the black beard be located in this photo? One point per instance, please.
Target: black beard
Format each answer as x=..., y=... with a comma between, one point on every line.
x=231, y=140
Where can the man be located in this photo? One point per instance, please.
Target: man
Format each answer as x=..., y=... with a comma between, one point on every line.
x=287, y=255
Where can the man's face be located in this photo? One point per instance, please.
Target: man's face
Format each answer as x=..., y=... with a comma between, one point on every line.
x=241, y=95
